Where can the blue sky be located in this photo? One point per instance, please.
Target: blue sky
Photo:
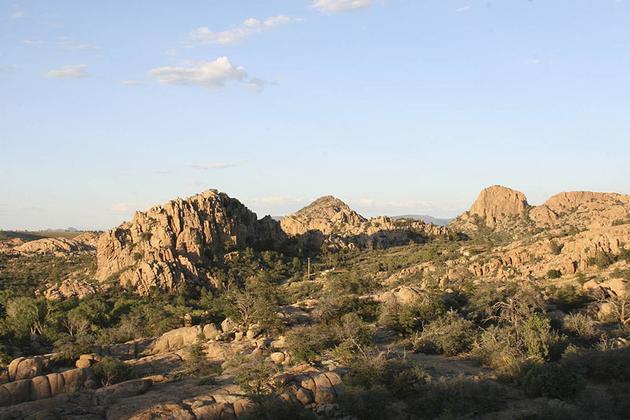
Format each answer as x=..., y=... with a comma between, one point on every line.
x=397, y=106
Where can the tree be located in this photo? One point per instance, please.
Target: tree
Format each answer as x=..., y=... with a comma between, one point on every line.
x=27, y=316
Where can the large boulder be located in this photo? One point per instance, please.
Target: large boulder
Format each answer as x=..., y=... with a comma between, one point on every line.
x=40, y=388
x=177, y=339
x=23, y=368
x=20, y=391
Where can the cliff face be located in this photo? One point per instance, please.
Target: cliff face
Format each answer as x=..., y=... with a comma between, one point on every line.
x=173, y=243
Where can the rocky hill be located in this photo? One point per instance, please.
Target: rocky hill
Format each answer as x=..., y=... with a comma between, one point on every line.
x=338, y=226
x=503, y=209
x=175, y=242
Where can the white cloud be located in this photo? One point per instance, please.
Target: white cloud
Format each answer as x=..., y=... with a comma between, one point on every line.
x=205, y=167
x=211, y=74
x=122, y=207
x=76, y=71
x=64, y=43
x=236, y=34
x=17, y=13
x=131, y=82
x=70, y=44
x=463, y=9
x=334, y=6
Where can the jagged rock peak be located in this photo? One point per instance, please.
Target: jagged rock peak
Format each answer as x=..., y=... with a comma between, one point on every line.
x=327, y=214
x=175, y=242
x=497, y=203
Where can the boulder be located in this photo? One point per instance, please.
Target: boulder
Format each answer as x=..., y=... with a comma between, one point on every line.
x=228, y=325
x=40, y=388
x=76, y=379
x=56, y=383
x=304, y=396
x=5, y=397
x=22, y=368
x=113, y=393
x=216, y=411
x=87, y=360
x=177, y=339
x=20, y=391
x=325, y=391
x=210, y=331
x=278, y=357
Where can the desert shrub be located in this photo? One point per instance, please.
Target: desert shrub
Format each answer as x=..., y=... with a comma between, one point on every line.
x=449, y=335
x=333, y=307
x=271, y=407
x=551, y=380
x=307, y=344
x=111, y=370
x=603, y=366
x=353, y=337
x=507, y=348
x=459, y=398
x=196, y=362
x=497, y=349
x=601, y=260
x=253, y=374
x=538, y=341
x=554, y=274
x=351, y=283
x=367, y=404
x=580, y=326
x=544, y=409
x=402, y=377
x=406, y=319
x=568, y=298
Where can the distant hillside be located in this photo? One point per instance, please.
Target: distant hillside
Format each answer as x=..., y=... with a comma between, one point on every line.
x=26, y=235
x=425, y=218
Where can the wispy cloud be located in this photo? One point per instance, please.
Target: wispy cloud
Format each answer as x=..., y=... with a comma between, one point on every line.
x=245, y=29
x=122, y=207
x=67, y=43
x=76, y=71
x=63, y=43
x=131, y=82
x=220, y=165
x=334, y=6
x=463, y=9
x=17, y=13
x=210, y=74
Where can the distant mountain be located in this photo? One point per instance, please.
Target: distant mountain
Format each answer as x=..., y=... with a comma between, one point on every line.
x=425, y=218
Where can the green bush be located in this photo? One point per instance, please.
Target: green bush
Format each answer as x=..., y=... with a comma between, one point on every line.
x=449, y=335
x=111, y=370
x=551, y=380
x=554, y=274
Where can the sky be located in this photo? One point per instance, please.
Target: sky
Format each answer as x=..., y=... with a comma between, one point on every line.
x=394, y=106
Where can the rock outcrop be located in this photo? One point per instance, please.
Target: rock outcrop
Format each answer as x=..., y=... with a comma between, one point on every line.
x=69, y=288
x=45, y=386
x=55, y=246
x=331, y=222
x=174, y=243
x=501, y=208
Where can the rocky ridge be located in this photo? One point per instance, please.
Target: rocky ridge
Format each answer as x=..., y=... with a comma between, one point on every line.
x=170, y=244
x=503, y=209
x=338, y=226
